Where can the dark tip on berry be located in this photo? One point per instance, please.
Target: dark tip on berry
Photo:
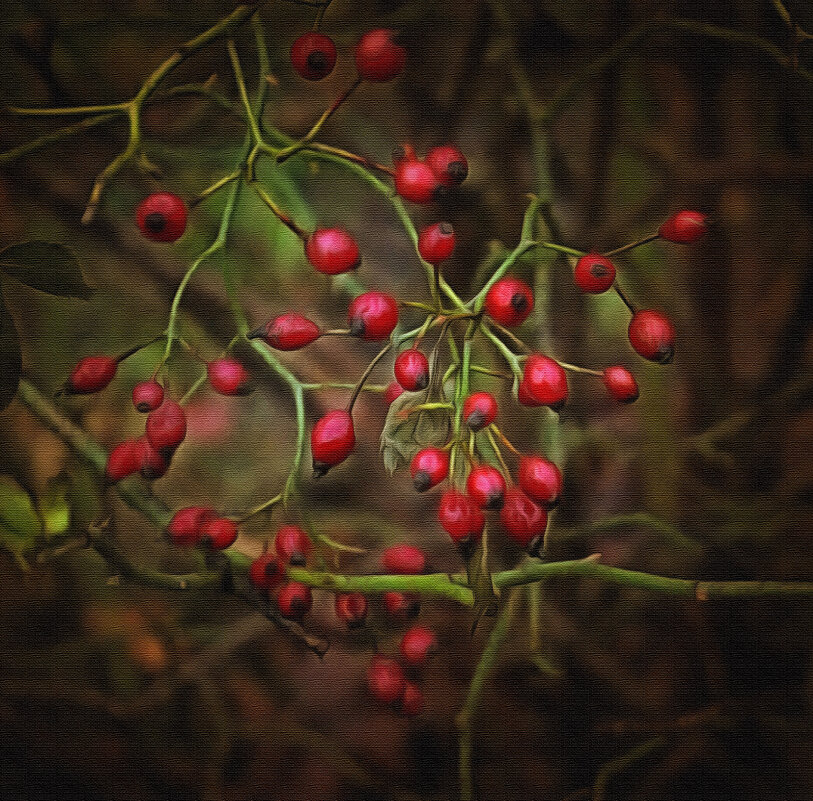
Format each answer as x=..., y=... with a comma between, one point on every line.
x=143, y=407
x=357, y=327
x=297, y=607
x=630, y=399
x=457, y=171
x=316, y=60
x=466, y=546
x=519, y=302
x=422, y=381
x=353, y=625
x=421, y=481
x=446, y=228
x=475, y=420
x=599, y=270
x=665, y=354
x=414, y=607
x=297, y=559
x=535, y=547
x=558, y=406
x=257, y=333
x=155, y=222
x=320, y=469
x=495, y=501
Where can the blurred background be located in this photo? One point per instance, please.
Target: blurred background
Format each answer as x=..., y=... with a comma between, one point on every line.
x=108, y=690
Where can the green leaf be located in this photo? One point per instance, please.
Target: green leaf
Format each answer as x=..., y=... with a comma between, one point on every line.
x=46, y=266
x=11, y=359
x=403, y=437
x=19, y=524
x=54, y=508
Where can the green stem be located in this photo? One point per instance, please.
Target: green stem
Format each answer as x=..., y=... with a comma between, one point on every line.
x=508, y=355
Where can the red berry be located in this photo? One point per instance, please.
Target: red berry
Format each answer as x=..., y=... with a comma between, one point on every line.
x=153, y=464
x=461, y=519
x=218, y=533
x=401, y=605
x=266, y=571
x=166, y=426
x=417, y=645
x=652, y=335
x=332, y=440
x=509, y=302
x=228, y=377
x=404, y=560
x=91, y=374
x=294, y=600
x=394, y=390
x=385, y=679
x=448, y=164
x=436, y=243
x=412, y=702
x=148, y=396
x=288, y=332
x=378, y=57
x=351, y=607
x=184, y=528
x=541, y=480
x=620, y=383
x=161, y=217
x=372, y=315
x=332, y=251
x=486, y=487
x=412, y=370
x=479, y=410
x=414, y=181
x=123, y=461
x=545, y=382
x=293, y=545
x=313, y=56
x=684, y=227
x=594, y=273
x=428, y=468
x=524, y=520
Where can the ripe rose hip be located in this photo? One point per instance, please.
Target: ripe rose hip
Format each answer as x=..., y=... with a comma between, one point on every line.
x=541, y=480
x=293, y=545
x=486, y=487
x=266, y=571
x=153, y=464
x=448, y=164
x=378, y=57
x=412, y=370
x=652, y=335
x=394, y=390
x=287, y=332
x=401, y=605
x=509, y=302
x=372, y=315
x=461, y=519
x=620, y=384
x=684, y=227
x=404, y=560
x=479, y=410
x=228, y=377
x=166, y=426
x=411, y=702
x=385, y=679
x=123, y=461
x=594, y=273
x=332, y=440
x=91, y=374
x=294, y=600
x=428, y=468
x=436, y=243
x=524, y=520
x=147, y=396
x=544, y=382
x=417, y=645
x=351, y=608
x=161, y=217
x=184, y=528
x=414, y=181
x=313, y=56
x=218, y=533
x=332, y=251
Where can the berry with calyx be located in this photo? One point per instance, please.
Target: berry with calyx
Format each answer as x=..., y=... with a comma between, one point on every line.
x=414, y=181
x=378, y=57
x=594, y=273
x=148, y=396
x=332, y=251
x=288, y=332
x=385, y=679
x=652, y=335
x=351, y=608
x=509, y=302
x=404, y=560
x=461, y=519
x=185, y=527
x=436, y=243
x=91, y=374
x=544, y=383
x=524, y=520
x=620, y=383
x=411, y=702
x=486, y=487
x=313, y=56
x=479, y=410
x=124, y=460
x=417, y=645
x=161, y=217
x=428, y=468
x=166, y=426
x=401, y=605
x=372, y=315
x=293, y=545
x=541, y=480
x=218, y=533
x=394, y=390
x=412, y=370
x=332, y=440
x=153, y=463
x=294, y=600
x=684, y=227
x=448, y=164
x=228, y=377
x=266, y=571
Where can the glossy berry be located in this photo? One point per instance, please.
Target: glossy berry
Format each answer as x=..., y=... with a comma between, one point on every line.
x=91, y=374
x=332, y=440
x=436, y=243
x=541, y=480
x=394, y=390
x=218, y=533
x=378, y=57
x=461, y=519
x=313, y=56
x=486, y=487
x=544, y=382
x=524, y=520
x=448, y=164
x=385, y=679
x=124, y=460
x=417, y=645
x=594, y=273
x=414, y=181
x=147, y=396
x=652, y=335
x=372, y=315
x=288, y=332
x=294, y=600
x=153, y=463
x=684, y=227
x=509, y=302
x=412, y=370
x=411, y=703
x=161, y=217
x=185, y=527
x=479, y=410
x=166, y=426
x=266, y=571
x=293, y=545
x=401, y=605
x=620, y=384
x=404, y=560
x=351, y=608
x=428, y=468
x=228, y=377
x=332, y=251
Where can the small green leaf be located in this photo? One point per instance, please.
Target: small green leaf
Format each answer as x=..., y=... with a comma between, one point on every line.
x=11, y=359
x=19, y=524
x=54, y=508
x=403, y=437
x=46, y=266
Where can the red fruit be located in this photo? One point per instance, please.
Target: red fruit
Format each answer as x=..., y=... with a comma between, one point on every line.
x=486, y=487
x=684, y=227
x=332, y=251
x=294, y=600
x=524, y=520
x=378, y=57
x=404, y=560
x=351, y=607
x=412, y=702
x=417, y=645
x=123, y=461
x=448, y=164
x=147, y=396
x=313, y=56
x=161, y=217
x=594, y=273
x=372, y=315
x=166, y=426
x=509, y=302
x=401, y=605
x=620, y=383
x=541, y=480
x=228, y=377
x=394, y=390
x=153, y=464
x=436, y=243
x=545, y=382
x=91, y=374
x=479, y=410
x=293, y=545
x=266, y=571
x=332, y=440
x=652, y=335
x=287, y=332
x=414, y=181
x=412, y=370
x=428, y=468
x=461, y=519
x=184, y=528
x=218, y=533
x=385, y=679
